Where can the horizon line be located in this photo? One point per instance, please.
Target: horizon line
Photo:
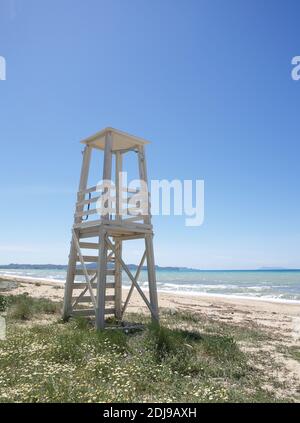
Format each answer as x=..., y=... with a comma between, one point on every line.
x=263, y=268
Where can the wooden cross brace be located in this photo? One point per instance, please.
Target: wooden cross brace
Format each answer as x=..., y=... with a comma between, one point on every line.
x=137, y=274
x=131, y=277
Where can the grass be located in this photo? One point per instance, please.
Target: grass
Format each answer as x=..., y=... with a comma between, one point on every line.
x=291, y=351
x=295, y=353
x=23, y=307
x=71, y=362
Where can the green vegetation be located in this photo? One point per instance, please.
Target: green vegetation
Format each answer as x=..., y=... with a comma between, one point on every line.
x=71, y=362
x=23, y=307
x=290, y=351
x=295, y=353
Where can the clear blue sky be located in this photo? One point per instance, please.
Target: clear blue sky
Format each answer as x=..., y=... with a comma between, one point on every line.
x=208, y=80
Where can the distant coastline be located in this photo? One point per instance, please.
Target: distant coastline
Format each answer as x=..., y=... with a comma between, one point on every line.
x=131, y=266
x=65, y=266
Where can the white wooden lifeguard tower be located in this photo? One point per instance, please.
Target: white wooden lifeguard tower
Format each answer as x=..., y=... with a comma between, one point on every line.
x=100, y=294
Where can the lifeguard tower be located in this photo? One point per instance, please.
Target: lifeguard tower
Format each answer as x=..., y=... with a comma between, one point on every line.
x=98, y=235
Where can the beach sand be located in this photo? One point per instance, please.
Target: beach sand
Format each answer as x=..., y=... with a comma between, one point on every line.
x=281, y=316
x=280, y=320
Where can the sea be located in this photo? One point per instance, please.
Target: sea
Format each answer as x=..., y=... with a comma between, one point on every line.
x=272, y=285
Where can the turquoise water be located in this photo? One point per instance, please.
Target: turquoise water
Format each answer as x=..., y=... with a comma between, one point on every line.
x=263, y=284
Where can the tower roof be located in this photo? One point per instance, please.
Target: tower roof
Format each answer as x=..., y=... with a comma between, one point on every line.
x=120, y=140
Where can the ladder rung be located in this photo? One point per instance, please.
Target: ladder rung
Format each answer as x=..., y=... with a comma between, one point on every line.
x=82, y=299
x=82, y=285
x=87, y=299
x=84, y=312
x=87, y=190
x=89, y=271
x=89, y=245
x=109, y=272
x=86, y=213
x=91, y=259
x=92, y=232
x=91, y=312
x=88, y=201
x=110, y=298
x=109, y=311
x=83, y=234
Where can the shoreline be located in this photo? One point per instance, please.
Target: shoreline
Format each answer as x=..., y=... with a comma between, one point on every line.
x=18, y=279
x=232, y=296
x=280, y=318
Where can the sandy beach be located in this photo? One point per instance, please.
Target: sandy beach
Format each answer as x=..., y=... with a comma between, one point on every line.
x=284, y=317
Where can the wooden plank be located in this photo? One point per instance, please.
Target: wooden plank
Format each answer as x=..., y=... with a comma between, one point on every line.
x=118, y=185
x=102, y=263
x=109, y=311
x=131, y=190
x=122, y=139
x=91, y=259
x=91, y=312
x=92, y=232
x=89, y=245
x=143, y=177
x=82, y=299
x=129, y=237
x=109, y=298
x=87, y=190
x=89, y=271
x=84, y=312
x=118, y=242
x=124, y=150
x=149, y=241
x=87, y=299
x=86, y=213
x=113, y=225
x=88, y=233
x=109, y=272
x=90, y=224
x=129, y=227
x=81, y=285
x=118, y=281
x=88, y=201
x=107, y=165
x=151, y=275
x=133, y=219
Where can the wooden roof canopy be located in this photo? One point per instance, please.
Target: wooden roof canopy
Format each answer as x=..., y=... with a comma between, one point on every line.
x=120, y=140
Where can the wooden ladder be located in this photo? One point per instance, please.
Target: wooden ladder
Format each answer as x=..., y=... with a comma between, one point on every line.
x=85, y=294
